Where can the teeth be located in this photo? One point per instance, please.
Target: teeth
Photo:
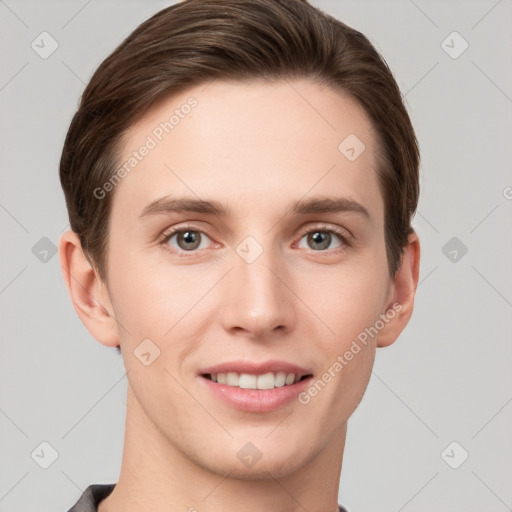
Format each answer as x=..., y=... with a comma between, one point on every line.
x=280, y=379
x=249, y=381
x=246, y=381
x=232, y=379
x=265, y=381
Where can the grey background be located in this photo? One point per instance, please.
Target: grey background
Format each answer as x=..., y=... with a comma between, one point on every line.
x=448, y=378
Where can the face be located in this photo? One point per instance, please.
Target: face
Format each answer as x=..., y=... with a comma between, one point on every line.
x=246, y=244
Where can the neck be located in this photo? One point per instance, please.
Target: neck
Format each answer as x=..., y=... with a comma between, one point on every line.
x=156, y=475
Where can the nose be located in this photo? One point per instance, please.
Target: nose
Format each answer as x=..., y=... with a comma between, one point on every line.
x=258, y=301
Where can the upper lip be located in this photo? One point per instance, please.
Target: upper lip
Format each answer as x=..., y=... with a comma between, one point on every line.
x=256, y=368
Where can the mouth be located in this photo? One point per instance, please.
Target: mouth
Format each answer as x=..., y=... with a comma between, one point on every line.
x=252, y=387
x=265, y=381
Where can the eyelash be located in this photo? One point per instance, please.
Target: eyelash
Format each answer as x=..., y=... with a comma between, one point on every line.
x=344, y=237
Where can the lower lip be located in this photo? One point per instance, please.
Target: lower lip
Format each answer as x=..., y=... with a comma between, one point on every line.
x=256, y=400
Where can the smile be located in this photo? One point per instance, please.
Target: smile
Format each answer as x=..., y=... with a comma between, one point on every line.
x=252, y=386
x=268, y=380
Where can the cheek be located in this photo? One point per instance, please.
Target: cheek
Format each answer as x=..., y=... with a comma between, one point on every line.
x=348, y=299
x=172, y=305
x=349, y=308
x=148, y=299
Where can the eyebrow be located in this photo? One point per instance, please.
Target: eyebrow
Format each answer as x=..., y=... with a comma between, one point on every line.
x=320, y=204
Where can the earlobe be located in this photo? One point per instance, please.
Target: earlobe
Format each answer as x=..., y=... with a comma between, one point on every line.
x=88, y=294
x=404, y=290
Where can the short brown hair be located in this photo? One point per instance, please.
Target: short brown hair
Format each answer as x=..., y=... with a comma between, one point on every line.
x=197, y=41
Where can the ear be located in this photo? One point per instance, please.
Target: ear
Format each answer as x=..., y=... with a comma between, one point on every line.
x=88, y=293
x=403, y=291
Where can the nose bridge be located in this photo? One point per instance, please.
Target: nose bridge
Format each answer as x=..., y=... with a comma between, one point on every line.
x=259, y=301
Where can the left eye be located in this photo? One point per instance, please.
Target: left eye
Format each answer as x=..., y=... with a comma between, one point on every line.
x=321, y=238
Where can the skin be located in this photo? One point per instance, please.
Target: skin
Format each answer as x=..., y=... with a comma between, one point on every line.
x=257, y=148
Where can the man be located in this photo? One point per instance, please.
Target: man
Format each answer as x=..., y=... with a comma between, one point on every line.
x=240, y=178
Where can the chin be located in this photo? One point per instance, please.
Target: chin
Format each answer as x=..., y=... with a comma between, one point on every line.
x=270, y=465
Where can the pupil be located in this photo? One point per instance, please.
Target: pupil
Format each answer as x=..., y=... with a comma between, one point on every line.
x=321, y=238
x=189, y=238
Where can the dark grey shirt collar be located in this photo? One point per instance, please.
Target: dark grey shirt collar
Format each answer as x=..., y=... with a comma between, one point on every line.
x=91, y=497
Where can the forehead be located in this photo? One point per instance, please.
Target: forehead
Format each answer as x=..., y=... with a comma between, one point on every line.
x=247, y=142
